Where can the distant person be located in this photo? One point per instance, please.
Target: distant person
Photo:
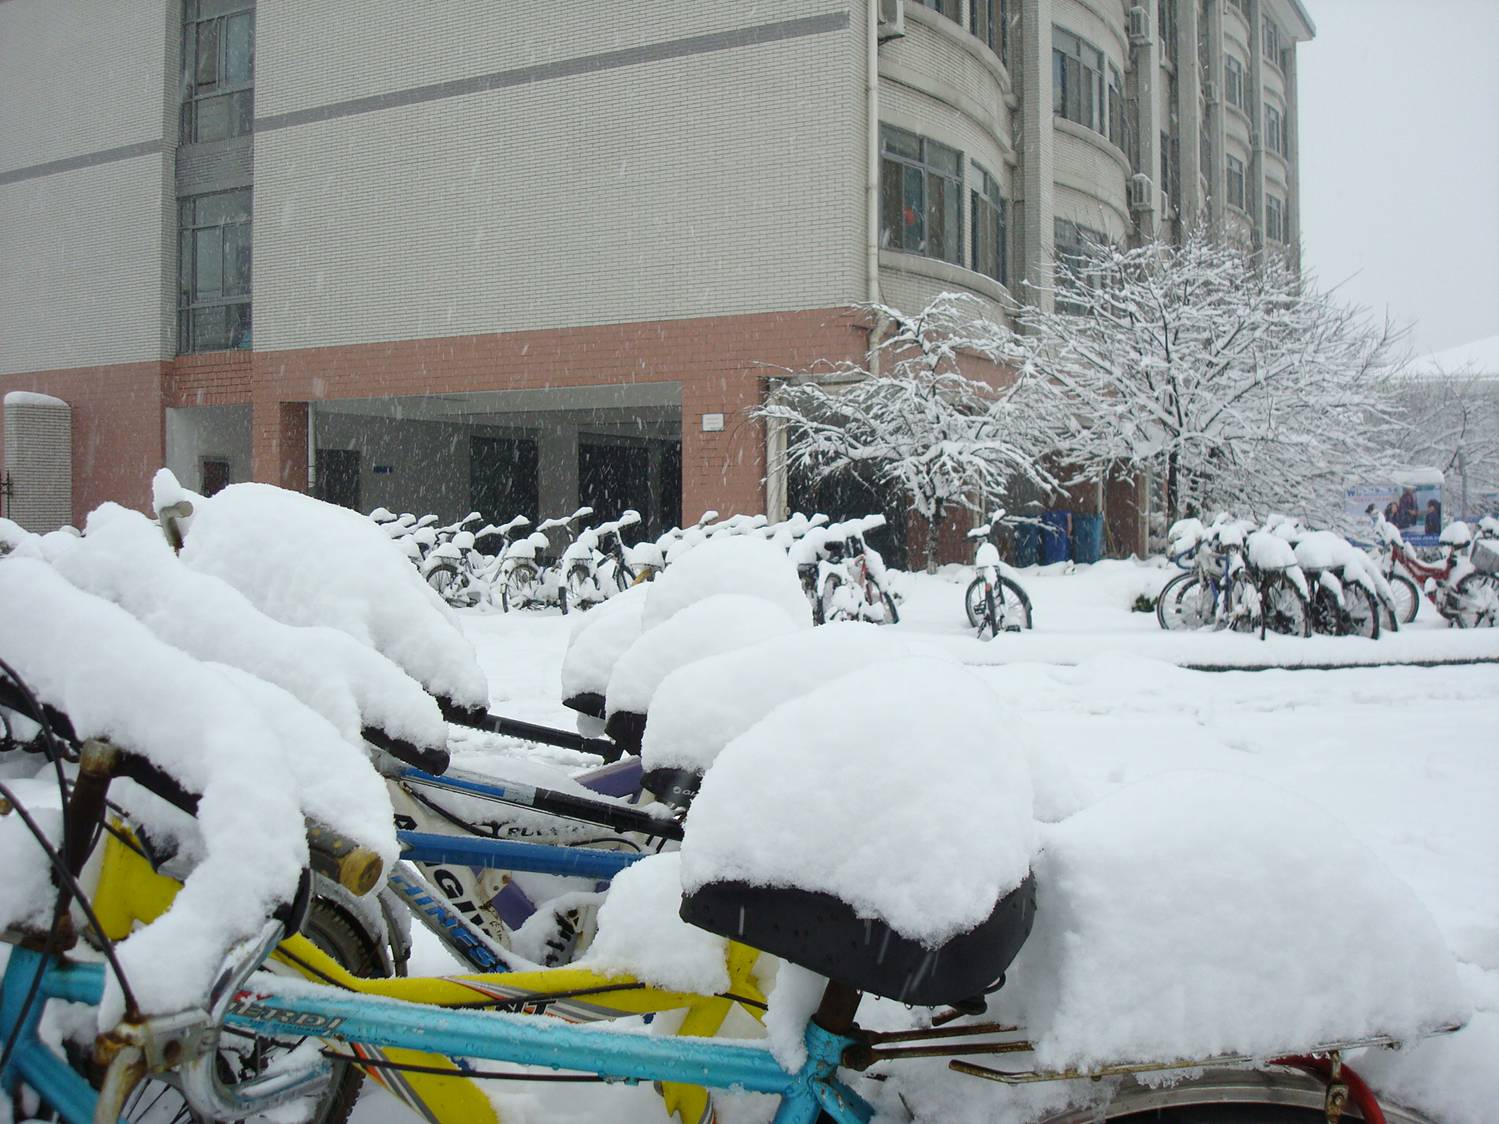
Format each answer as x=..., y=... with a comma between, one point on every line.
x=1407, y=510
x=1433, y=517
x=1389, y=513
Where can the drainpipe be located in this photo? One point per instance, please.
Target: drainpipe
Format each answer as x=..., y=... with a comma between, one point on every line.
x=311, y=449
x=872, y=177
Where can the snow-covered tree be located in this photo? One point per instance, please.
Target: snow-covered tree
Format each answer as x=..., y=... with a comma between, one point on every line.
x=1218, y=369
x=1451, y=422
x=920, y=425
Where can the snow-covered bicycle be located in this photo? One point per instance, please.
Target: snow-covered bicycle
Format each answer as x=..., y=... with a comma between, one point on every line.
x=994, y=601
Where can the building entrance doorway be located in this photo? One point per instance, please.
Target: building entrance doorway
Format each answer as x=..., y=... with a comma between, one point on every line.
x=502, y=475
x=338, y=477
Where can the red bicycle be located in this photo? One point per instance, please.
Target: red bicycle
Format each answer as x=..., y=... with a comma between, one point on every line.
x=1463, y=587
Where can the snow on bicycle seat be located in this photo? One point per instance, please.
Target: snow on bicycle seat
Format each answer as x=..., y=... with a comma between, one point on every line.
x=884, y=845
x=715, y=624
x=599, y=637
x=305, y=562
x=701, y=707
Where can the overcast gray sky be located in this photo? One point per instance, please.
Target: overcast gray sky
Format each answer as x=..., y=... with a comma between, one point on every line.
x=1400, y=160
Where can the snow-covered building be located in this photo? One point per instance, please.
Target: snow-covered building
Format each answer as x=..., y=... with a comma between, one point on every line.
x=516, y=258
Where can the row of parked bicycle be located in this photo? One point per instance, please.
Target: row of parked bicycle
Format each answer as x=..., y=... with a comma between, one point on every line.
x=506, y=567
x=1285, y=578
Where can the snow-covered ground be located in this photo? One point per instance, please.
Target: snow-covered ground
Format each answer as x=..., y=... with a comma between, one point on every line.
x=1404, y=760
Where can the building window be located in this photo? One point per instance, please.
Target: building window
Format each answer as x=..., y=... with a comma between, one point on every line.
x=948, y=8
x=1235, y=182
x=1078, y=92
x=988, y=226
x=213, y=271
x=989, y=20
x=1275, y=219
x=1275, y=137
x=1233, y=81
x=1271, y=40
x=1165, y=17
x=218, y=69
x=1074, y=246
x=921, y=196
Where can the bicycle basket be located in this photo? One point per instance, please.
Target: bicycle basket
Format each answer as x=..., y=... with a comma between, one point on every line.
x=1485, y=556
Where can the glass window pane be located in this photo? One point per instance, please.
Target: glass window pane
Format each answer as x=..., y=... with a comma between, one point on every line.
x=900, y=142
x=952, y=222
x=206, y=72
x=208, y=263
x=184, y=267
x=937, y=228
x=1058, y=83
x=1074, y=110
x=241, y=113
x=237, y=260
x=212, y=119
x=944, y=159
x=239, y=48
x=210, y=329
x=238, y=327
x=891, y=223
x=913, y=234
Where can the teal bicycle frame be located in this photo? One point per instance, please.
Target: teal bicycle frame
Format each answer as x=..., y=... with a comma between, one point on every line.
x=309, y=1010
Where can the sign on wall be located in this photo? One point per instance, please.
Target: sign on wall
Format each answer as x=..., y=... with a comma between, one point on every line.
x=1411, y=500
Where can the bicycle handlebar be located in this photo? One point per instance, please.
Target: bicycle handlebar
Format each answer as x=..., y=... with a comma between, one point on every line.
x=433, y=760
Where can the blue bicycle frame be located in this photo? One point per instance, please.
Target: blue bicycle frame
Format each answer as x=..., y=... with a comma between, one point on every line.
x=524, y=1040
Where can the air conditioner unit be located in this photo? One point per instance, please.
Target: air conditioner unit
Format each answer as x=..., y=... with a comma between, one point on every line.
x=1210, y=92
x=1141, y=193
x=892, y=23
x=1139, y=25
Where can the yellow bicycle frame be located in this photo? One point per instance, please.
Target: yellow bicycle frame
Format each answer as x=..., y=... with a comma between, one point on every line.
x=131, y=892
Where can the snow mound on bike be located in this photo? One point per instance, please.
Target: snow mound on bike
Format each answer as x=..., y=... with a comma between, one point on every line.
x=125, y=559
x=306, y=562
x=698, y=709
x=716, y=624
x=751, y=567
x=261, y=761
x=640, y=932
x=1196, y=914
x=918, y=815
x=599, y=637
x=27, y=894
x=1267, y=552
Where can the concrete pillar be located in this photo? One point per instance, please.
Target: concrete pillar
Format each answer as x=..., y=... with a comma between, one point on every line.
x=557, y=468
x=1147, y=78
x=1189, y=115
x=278, y=443
x=1255, y=174
x=1216, y=173
x=1037, y=162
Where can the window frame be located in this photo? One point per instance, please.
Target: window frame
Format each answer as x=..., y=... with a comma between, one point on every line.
x=1275, y=130
x=1275, y=207
x=1228, y=165
x=949, y=171
x=1270, y=40
x=1233, y=81
x=233, y=228
x=1097, y=90
x=987, y=201
x=238, y=95
x=952, y=9
x=993, y=29
x=1073, y=249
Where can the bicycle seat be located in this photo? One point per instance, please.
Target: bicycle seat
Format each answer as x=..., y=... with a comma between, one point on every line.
x=821, y=932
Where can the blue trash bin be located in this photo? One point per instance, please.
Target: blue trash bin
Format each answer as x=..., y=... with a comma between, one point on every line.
x=1087, y=538
x=1056, y=545
x=1027, y=545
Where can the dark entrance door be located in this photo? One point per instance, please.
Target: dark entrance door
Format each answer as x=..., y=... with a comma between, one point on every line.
x=338, y=477
x=215, y=476
x=614, y=477
x=669, y=502
x=502, y=478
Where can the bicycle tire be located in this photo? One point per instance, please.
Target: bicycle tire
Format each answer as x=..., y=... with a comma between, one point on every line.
x=1361, y=612
x=1479, y=594
x=990, y=615
x=444, y=580
x=973, y=596
x=1014, y=595
x=892, y=616
x=158, y=1102
x=1168, y=611
x=519, y=588
x=1407, y=597
x=1283, y=608
x=829, y=593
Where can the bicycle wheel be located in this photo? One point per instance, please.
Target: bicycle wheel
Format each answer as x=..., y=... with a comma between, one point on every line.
x=973, y=602
x=1241, y=605
x=833, y=608
x=519, y=589
x=1185, y=602
x=1407, y=597
x=1283, y=609
x=157, y=1101
x=445, y=581
x=891, y=615
x=1014, y=607
x=574, y=591
x=1327, y=616
x=1477, y=602
x=1361, y=612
